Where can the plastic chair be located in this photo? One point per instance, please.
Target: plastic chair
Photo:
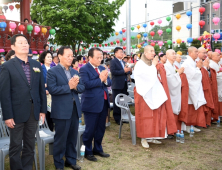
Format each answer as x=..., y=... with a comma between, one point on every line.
x=4, y=143
x=131, y=86
x=122, y=101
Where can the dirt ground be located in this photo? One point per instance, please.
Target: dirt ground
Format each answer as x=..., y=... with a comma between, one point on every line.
x=202, y=152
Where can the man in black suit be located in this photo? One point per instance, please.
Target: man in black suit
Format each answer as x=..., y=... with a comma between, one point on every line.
x=23, y=102
x=119, y=73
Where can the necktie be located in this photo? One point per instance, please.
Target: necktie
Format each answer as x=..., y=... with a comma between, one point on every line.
x=122, y=63
x=105, y=95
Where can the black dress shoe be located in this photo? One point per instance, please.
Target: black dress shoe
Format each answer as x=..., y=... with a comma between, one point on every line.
x=170, y=136
x=102, y=154
x=91, y=158
x=75, y=167
x=118, y=123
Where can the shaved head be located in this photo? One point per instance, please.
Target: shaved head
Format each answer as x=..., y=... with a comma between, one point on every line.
x=149, y=52
x=178, y=58
x=171, y=56
x=202, y=53
x=209, y=55
x=193, y=53
x=215, y=57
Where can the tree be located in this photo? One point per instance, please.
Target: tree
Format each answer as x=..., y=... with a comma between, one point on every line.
x=76, y=21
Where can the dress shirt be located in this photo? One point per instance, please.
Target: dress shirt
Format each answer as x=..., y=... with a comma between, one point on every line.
x=67, y=72
x=26, y=68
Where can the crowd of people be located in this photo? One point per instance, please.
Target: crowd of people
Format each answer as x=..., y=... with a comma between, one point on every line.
x=169, y=96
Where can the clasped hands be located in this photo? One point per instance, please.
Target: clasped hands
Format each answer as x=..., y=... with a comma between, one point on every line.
x=206, y=63
x=103, y=76
x=73, y=82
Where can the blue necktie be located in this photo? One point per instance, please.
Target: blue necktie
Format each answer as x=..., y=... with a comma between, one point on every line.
x=122, y=63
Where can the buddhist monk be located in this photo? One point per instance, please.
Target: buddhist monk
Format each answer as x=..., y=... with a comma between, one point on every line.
x=214, y=65
x=178, y=60
x=153, y=110
x=209, y=54
x=174, y=82
x=196, y=100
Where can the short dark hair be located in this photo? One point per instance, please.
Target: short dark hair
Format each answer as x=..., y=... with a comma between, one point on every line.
x=43, y=55
x=13, y=39
x=9, y=54
x=79, y=57
x=61, y=50
x=117, y=49
x=34, y=20
x=45, y=45
x=161, y=55
x=26, y=19
x=91, y=51
x=74, y=61
x=104, y=53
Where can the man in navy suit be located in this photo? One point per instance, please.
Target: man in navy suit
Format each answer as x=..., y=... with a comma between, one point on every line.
x=94, y=103
x=23, y=102
x=64, y=85
x=119, y=73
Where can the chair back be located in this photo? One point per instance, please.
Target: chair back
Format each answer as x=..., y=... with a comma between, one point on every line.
x=4, y=131
x=131, y=86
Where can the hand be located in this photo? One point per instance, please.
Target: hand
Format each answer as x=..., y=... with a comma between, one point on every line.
x=206, y=63
x=10, y=123
x=199, y=64
x=103, y=75
x=47, y=92
x=127, y=69
x=73, y=82
x=155, y=61
x=181, y=70
x=45, y=85
x=43, y=117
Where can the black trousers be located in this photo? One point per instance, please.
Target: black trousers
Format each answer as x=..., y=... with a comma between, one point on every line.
x=23, y=133
x=49, y=121
x=117, y=110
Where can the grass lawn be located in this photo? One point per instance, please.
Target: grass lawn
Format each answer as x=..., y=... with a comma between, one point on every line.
x=203, y=151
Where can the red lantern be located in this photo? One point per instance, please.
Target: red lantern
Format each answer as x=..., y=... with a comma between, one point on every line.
x=76, y=51
x=152, y=23
x=94, y=45
x=111, y=43
x=117, y=41
x=124, y=38
x=153, y=44
x=11, y=7
x=89, y=45
x=152, y=33
x=100, y=45
x=201, y=23
x=106, y=45
x=124, y=47
x=201, y=10
x=80, y=49
x=21, y=28
x=123, y=30
x=84, y=48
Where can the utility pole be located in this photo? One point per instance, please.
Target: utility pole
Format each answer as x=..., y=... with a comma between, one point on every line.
x=128, y=29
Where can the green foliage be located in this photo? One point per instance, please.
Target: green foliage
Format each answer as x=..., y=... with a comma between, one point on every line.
x=196, y=43
x=182, y=48
x=217, y=45
x=90, y=21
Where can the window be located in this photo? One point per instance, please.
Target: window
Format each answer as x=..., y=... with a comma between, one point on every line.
x=202, y=17
x=213, y=15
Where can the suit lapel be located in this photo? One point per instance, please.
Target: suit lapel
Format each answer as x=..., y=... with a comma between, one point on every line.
x=118, y=62
x=62, y=72
x=32, y=71
x=92, y=70
x=20, y=70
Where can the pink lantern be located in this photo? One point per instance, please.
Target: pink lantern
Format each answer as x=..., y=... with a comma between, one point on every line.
x=12, y=26
x=159, y=21
x=34, y=52
x=174, y=42
x=160, y=32
x=151, y=40
x=2, y=50
x=160, y=43
x=36, y=30
x=40, y=52
x=217, y=50
x=216, y=6
x=165, y=42
x=155, y=41
x=216, y=20
x=216, y=37
x=148, y=40
x=182, y=41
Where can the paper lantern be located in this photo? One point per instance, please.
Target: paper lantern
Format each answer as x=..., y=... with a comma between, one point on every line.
x=151, y=23
x=153, y=44
x=36, y=30
x=168, y=30
x=111, y=43
x=133, y=46
x=5, y=8
x=100, y=45
x=152, y=33
x=34, y=52
x=201, y=10
x=29, y=29
x=179, y=52
x=114, y=42
x=178, y=16
x=52, y=31
x=160, y=43
x=139, y=46
x=95, y=45
x=145, y=34
x=174, y=42
x=179, y=42
x=216, y=20
x=80, y=49
x=189, y=26
x=106, y=45
x=145, y=44
x=12, y=26
x=121, y=40
x=216, y=6
x=21, y=28
x=117, y=33
x=120, y=32
x=124, y=47
x=138, y=36
x=124, y=38
x=40, y=52
x=169, y=42
x=76, y=51
x=117, y=41
x=44, y=31
x=159, y=21
x=178, y=28
x=3, y=25
x=189, y=13
x=201, y=23
x=160, y=32
x=189, y=40
x=2, y=50
x=144, y=25
x=132, y=28
x=123, y=30
x=17, y=6
x=133, y=37
x=168, y=18
x=11, y=7
x=112, y=34
x=216, y=37
x=138, y=27
x=84, y=48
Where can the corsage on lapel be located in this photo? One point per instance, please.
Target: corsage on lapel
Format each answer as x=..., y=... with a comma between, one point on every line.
x=36, y=69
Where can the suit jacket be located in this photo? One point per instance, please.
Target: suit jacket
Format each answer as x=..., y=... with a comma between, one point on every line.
x=44, y=71
x=92, y=100
x=118, y=75
x=62, y=96
x=16, y=94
